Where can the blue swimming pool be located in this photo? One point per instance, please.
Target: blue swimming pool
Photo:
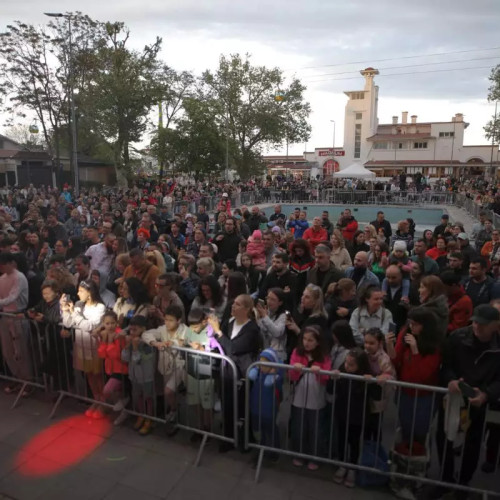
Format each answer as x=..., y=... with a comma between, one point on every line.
x=422, y=216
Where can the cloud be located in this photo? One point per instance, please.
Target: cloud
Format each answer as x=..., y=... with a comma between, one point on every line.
x=298, y=34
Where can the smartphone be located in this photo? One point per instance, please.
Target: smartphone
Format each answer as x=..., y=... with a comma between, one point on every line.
x=392, y=327
x=466, y=390
x=262, y=302
x=288, y=315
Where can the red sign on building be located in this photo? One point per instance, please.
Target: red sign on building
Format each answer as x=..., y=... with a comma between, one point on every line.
x=330, y=152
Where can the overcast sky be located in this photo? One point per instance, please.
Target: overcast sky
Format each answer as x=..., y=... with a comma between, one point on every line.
x=325, y=43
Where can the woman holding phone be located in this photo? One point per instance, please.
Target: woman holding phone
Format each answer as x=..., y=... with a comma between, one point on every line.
x=416, y=356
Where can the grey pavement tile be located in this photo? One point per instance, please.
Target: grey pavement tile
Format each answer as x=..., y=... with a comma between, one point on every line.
x=121, y=492
x=232, y=463
x=155, y=475
x=34, y=429
x=113, y=459
x=11, y=421
x=169, y=447
x=22, y=487
x=199, y=482
x=263, y=490
x=77, y=485
x=10, y=459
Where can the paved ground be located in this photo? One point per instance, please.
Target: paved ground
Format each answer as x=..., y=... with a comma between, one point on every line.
x=127, y=466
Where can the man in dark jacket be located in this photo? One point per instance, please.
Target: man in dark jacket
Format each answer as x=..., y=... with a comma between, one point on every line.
x=280, y=277
x=380, y=222
x=324, y=272
x=472, y=356
x=228, y=240
x=481, y=289
x=256, y=219
x=326, y=223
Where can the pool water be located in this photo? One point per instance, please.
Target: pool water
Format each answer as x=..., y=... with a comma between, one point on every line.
x=428, y=217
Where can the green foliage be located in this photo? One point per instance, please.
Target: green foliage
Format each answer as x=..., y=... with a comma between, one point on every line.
x=492, y=128
x=120, y=94
x=257, y=107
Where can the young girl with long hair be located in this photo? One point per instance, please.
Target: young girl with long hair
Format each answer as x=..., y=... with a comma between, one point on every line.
x=84, y=317
x=309, y=399
x=351, y=411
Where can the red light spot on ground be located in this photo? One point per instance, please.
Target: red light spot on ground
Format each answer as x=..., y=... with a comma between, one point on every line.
x=61, y=445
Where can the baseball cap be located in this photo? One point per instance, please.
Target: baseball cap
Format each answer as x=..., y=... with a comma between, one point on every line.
x=445, y=216
x=225, y=195
x=189, y=215
x=484, y=314
x=463, y=236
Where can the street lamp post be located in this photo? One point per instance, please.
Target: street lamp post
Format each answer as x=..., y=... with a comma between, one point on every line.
x=333, y=150
x=74, y=152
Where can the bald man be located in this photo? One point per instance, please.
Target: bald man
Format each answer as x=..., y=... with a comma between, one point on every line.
x=256, y=219
x=360, y=273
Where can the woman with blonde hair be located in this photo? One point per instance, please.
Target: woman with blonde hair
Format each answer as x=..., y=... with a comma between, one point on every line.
x=156, y=258
x=370, y=232
x=310, y=312
x=340, y=256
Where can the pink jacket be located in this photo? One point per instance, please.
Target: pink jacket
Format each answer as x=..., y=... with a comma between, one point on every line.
x=294, y=375
x=256, y=250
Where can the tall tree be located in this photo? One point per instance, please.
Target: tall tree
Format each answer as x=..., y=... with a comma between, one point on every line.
x=197, y=146
x=257, y=107
x=172, y=88
x=121, y=94
x=39, y=65
x=492, y=128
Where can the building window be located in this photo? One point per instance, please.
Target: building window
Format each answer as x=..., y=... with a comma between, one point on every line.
x=419, y=145
x=399, y=145
x=380, y=145
x=357, y=95
x=359, y=116
x=357, y=141
x=446, y=134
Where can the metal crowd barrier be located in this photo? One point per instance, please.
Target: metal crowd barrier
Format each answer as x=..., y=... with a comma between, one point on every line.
x=199, y=388
x=23, y=355
x=354, y=428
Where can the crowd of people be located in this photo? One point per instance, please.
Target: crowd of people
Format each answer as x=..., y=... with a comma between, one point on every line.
x=125, y=282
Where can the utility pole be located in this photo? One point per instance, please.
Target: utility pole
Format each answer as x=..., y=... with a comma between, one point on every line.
x=74, y=146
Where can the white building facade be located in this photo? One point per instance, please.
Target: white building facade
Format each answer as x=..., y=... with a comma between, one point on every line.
x=435, y=149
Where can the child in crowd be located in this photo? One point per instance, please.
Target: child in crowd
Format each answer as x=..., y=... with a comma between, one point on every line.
x=309, y=399
x=343, y=341
x=256, y=250
x=382, y=368
x=200, y=381
x=265, y=397
x=171, y=363
x=400, y=258
x=141, y=371
x=110, y=345
x=351, y=411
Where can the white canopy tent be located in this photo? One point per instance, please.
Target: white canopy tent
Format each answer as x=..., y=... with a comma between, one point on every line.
x=355, y=171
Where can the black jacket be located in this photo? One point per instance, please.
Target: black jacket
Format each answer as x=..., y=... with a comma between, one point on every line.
x=478, y=364
x=244, y=348
x=332, y=276
x=228, y=246
x=287, y=279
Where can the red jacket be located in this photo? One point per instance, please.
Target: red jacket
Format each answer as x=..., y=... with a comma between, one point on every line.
x=315, y=237
x=461, y=307
x=112, y=355
x=349, y=230
x=294, y=375
x=434, y=253
x=415, y=368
